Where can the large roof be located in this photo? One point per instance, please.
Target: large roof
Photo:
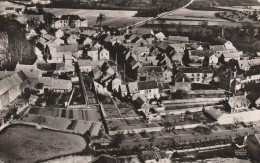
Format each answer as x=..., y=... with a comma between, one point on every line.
x=147, y=85
x=150, y=69
x=12, y=81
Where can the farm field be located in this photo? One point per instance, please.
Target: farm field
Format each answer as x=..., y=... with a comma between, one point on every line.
x=27, y=144
x=113, y=17
x=4, y=4
x=232, y=2
x=194, y=13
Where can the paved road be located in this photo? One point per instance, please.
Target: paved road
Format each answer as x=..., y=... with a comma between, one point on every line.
x=159, y=16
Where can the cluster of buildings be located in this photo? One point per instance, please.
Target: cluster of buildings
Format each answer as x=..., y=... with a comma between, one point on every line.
x=162, y=77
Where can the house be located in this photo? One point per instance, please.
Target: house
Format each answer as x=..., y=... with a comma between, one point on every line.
x=167, y=75
x=132, y=88
x=13, y=10
x=117, y=39
x=89, y=32
x=67, y=58
x=31, y=71
x=245, y=65
x=229, y=46
x=139, y=32
x=182, y=82
x=232, y=55
x=197, y=75
x=88, y=41
x=149, y=89
x=89, y=65
x=81, y=23
x=230, y=81
x=57, y=85
x=72, y=39
x=33, y=100
x=160, y=36
x=93, y=53
x=149, y=73
x=123, y=90
x=237, y=103
x=216, y=48
x=177, y=39
x=59, y=33
x=55, y=68
x=179, y=47
x=60, y=24
x=103, y=54
x=11, y=87
x=116, y=84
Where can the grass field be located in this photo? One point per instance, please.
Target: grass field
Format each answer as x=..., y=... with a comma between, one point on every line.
x=27, y=144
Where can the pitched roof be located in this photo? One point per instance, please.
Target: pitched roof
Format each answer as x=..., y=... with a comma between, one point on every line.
x=150, y=69
x=202, y=53
x=143, y=85
x=182, y=78
x=71, y=17
x=90, y=63
x=217, y=48
x=12, y=81
x=178, y=38
x=133, y=87
x=30, y=71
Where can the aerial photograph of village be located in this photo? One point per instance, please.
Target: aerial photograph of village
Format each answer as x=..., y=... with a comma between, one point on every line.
x=129, y=81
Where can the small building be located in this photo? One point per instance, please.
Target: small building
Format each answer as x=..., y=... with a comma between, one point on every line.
x=149, y=89
x=103, y=54
x=89, y=65
x=33, y=100
x=123, y=90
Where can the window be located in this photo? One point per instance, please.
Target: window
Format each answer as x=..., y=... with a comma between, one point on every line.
x=192, y=74
x=150, y=90
x=198, y=79
x=166, y=78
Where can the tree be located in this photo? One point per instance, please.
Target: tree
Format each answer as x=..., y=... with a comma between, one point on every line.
x=100, y=19
x=236, y=122
x=162, y=23
x=180, y=94
x=204, y=24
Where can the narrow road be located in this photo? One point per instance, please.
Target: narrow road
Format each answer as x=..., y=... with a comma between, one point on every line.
x=159, y=16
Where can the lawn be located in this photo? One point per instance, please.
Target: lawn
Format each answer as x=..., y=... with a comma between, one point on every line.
x=27, y=144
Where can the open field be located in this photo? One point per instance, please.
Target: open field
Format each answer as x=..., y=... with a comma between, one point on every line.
x=194, y=13
x=27, y=144
x=231, y=2
x=85, y=13
x=5, y=4
x=113, y=17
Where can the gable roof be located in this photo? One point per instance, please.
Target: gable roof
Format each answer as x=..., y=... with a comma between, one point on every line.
x=202, y=53
x=150, y=69
x=132, y=87
x=217, y=48
x=90, y=63
x=178, y=38
x=182, y=78
x=30, y=71
x=143, y=85
x=12, y=81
